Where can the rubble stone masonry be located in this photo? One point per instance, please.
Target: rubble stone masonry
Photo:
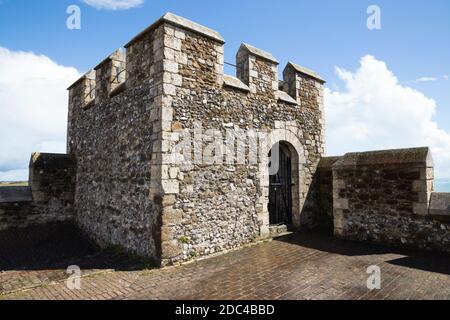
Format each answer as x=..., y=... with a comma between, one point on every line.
x=129, y=193
x=384, y=196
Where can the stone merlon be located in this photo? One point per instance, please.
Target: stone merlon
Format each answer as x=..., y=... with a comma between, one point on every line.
x=305, y=71
x=181, y=22
x=90, y=75
x=259, y=53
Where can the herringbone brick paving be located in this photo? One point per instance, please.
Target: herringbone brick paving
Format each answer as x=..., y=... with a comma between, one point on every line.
x=298, y=266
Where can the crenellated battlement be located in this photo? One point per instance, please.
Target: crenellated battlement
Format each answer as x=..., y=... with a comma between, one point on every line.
x=82, y=91
x=173, y=51
x=110, y=75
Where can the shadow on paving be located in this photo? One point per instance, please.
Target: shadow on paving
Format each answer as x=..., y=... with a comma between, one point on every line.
x=55, y=247
x=416, y=259
x=39, y=255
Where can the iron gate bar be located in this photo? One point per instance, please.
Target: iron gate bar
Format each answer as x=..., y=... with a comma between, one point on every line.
x=280, y=192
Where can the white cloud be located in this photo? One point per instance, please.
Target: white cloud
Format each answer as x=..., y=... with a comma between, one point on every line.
x=375, y=112
x=33, y=108
x=446, y=77
x=426, y=79
x=114, y=4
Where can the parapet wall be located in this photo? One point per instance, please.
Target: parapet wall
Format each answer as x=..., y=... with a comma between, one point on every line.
x=384, y=196
x=47, y=199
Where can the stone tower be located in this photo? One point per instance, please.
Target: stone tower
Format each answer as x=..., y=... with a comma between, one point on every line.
x=127, y=116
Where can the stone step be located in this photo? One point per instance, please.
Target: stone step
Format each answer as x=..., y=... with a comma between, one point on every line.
x=278, y=231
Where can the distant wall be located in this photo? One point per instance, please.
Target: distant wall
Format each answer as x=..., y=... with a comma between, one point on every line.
x=48, y=198
x=384, y=196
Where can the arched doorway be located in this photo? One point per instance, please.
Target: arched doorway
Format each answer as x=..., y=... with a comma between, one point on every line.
x=281, y=186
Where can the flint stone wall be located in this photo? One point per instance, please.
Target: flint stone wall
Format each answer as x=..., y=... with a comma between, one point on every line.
x=47, y=199
x=214, y=207
x=384, y=197
x=324, y=182
x=129, y=192
x=113, y=140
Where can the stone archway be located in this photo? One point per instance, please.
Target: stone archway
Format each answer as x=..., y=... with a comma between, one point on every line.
x=287, y=138
x=281, y=186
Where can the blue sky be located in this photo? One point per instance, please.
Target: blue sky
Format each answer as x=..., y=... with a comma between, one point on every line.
x=321, y=35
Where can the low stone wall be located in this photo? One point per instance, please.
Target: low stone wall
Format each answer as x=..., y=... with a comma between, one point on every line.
x=25, y=214
x=384, y=196
x=49, y=197
x=440, y=205
x=324, y=182
x=52, y=183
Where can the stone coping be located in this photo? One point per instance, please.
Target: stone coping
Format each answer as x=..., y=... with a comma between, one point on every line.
x=181, y=22
x=15, y=194
x=258, y=52
x=118, y=55
x=327, y=162
x=419, y=156
x=233, y=82
x=88, y=75
x=440, y=204
x=306, y=71
x=283, y=96
x=39, y=159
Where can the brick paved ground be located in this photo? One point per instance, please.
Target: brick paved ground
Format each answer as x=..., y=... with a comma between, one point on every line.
x=300, y=266
x=39, y=256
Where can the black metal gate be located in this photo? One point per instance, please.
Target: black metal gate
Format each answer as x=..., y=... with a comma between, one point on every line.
x=280, y=191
